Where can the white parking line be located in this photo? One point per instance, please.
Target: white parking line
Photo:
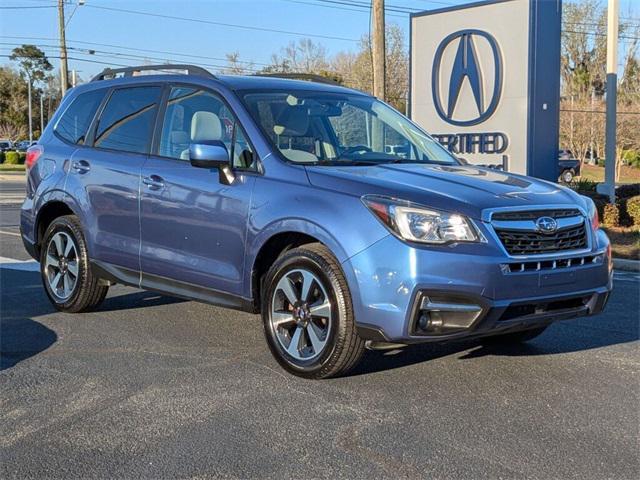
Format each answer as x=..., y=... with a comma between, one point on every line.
x=23, y=265
x=13, y=234
x=11, y=199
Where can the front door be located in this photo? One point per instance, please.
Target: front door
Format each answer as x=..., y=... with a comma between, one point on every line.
x=193, y=227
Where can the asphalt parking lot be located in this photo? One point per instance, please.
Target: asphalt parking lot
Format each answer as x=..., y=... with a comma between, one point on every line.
x=156, y=387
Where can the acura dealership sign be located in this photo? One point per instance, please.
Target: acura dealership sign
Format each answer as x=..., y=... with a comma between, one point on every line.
x=485, y=81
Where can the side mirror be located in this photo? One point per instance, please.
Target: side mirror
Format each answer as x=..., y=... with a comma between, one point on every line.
x=212, y=154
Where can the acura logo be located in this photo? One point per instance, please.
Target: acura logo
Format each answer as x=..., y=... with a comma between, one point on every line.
x=546, y=225
x=466, y=66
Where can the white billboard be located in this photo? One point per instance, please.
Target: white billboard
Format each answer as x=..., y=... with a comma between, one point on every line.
x=485, y=81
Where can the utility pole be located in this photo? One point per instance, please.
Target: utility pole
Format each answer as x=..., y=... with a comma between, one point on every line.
x=41, y=113
x=612, y=86
x=30, y=112
x=378, y=49
x=63, y=49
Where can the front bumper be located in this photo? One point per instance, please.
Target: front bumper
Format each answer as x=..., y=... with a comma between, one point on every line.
x=390, y=281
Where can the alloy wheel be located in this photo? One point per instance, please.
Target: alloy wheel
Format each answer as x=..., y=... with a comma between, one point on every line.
x=61, y=265
x=301, y=315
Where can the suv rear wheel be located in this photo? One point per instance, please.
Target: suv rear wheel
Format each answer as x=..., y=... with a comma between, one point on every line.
x=64, y=265
x=307, y=314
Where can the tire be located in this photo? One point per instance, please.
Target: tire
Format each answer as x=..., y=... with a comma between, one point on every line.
x=328, y=344
x=516, y=337
x=567, y=176
x=77, y=289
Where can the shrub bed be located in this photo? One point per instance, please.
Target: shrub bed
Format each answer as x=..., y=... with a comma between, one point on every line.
x=12, y=158
x=633, y=209
x=611, y=216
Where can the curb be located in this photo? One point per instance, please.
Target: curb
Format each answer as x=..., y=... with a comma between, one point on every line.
x=626, y=265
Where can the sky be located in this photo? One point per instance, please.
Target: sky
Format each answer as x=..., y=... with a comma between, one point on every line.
x=223, y=26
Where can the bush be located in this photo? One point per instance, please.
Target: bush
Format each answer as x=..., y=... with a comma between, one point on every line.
x=632, y=158
x=611, y=215
x=584, y=186
x=633, y=209
x=22, y=156
x=628, y=190
x=1, y=157
x=11, y=158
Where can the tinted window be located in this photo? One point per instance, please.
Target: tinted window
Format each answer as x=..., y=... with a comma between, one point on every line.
x=194, y=116
x=75, y=121
x=127, y=120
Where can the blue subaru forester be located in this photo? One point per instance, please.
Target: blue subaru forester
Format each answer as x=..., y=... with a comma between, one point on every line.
x=334, y=216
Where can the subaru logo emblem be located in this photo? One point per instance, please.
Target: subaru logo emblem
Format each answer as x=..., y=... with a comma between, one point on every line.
x=546, y=225
x=467, y=66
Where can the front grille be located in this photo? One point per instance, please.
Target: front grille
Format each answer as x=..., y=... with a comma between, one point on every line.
x=534, y=243
x=560, y=263
x=529, y=309
x=535, y=214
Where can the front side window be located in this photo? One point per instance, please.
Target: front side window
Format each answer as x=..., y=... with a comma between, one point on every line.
x=197, y=116
x=126, y=123
x=326, y=128
x=75, y=121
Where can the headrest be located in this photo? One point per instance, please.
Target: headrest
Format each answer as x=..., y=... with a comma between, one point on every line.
x=292, y=122
x=178, y=137
x=205, y=126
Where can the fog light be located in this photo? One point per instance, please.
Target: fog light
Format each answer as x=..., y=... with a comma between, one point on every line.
x=430, y=320
x=441, y=317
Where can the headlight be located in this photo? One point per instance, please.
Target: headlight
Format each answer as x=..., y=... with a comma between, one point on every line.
x=416, y=223
x=592, y=212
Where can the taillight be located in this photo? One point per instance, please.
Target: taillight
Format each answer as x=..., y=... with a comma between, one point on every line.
x=33, y=154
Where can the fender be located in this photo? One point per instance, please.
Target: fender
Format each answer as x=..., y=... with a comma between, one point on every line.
x=56, y=196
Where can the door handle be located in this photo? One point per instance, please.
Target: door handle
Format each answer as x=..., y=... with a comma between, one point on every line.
x=154, y=182
x=80, y=166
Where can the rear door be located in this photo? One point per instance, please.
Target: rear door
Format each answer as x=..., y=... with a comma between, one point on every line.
x=194, y=227
x=109, y=174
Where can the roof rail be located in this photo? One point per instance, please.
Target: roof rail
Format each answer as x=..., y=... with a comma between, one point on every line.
x=109, y=73
x=310, y=77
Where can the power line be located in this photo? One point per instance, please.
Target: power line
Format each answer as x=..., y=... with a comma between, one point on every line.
x=336, y=7
x=222, y=24
x=179, y=54
x=596, y=111
x=27, y=7
x=597, y=34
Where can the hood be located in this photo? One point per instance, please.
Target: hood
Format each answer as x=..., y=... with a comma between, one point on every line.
x=460, y=188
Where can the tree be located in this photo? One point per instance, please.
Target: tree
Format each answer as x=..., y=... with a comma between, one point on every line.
x=357, y=70
x=583, y=70
x=305, y=56
x=235, y=66
x=13, y=97
x=34, y=65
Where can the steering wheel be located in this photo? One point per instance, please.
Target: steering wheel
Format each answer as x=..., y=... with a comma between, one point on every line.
x=356, y=149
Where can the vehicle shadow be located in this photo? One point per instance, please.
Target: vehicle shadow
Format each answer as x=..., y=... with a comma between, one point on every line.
x=22, y=299
x=563, y=337
x=21, y=337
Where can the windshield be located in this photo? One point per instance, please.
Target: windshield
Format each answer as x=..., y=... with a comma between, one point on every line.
x=323, y=128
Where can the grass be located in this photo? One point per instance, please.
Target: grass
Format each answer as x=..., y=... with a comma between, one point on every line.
x=596, y=174
x=625, y=242
x=5, y=167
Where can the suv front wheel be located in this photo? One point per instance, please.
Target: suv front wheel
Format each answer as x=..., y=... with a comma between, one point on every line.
x=64, y=265
x=307, y=314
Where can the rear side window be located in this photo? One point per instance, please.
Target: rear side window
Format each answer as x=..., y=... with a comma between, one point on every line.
x=75, y=121
x=127, y=120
